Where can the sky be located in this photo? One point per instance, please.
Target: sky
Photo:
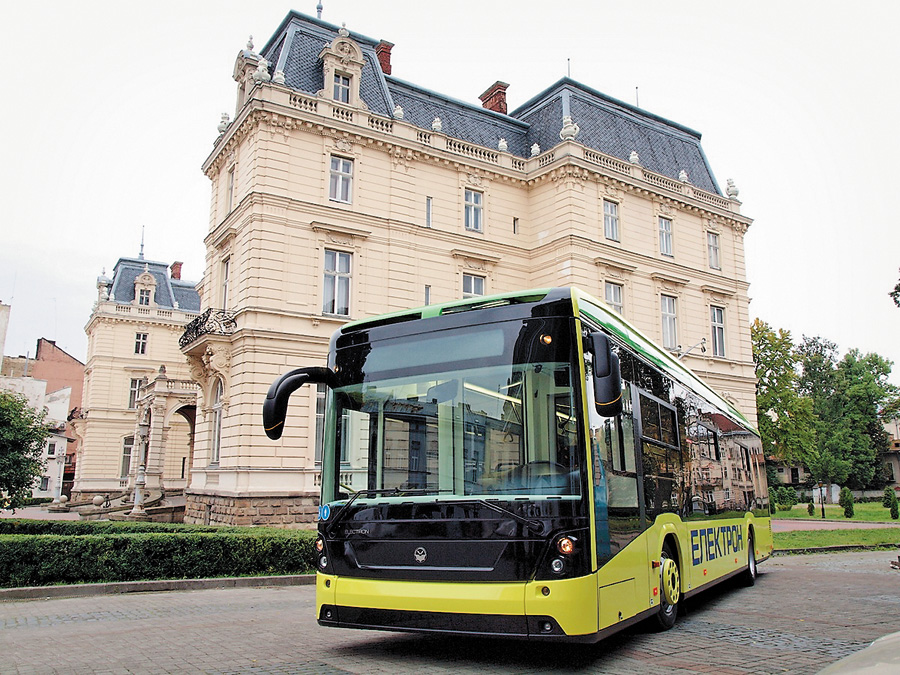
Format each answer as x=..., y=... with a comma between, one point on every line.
x=110, y=108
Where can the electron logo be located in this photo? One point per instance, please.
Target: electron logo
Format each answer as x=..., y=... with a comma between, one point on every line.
x=420, y=554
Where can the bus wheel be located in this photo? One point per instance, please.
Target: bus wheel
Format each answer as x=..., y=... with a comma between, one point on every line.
x=670, y=589
x=749, y=575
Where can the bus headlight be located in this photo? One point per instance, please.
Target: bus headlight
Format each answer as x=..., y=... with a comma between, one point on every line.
x=557, y=565
x=323, y=561
x=566, y=545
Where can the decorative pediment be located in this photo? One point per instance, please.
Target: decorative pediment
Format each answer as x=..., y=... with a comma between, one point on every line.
x=475, y=260
x=342, y=58
x=669, y=281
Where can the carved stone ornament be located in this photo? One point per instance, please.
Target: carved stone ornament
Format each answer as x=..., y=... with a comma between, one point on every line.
x=683, y=177
x=223, y=124
x=634, y=158
x=436, y=124
x=569, y=129
x=398, y=112
x=502, y=145
x=731, y=189
x=535, y=150
x=611, y=190
x=343, y=145
x=279, y=77
x=474, y=179
x=261, y=74
x=666, y=209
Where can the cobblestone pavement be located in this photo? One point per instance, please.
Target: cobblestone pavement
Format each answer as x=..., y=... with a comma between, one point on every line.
x=804, y=613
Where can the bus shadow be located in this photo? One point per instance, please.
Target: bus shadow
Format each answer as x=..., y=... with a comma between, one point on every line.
x=443, y=651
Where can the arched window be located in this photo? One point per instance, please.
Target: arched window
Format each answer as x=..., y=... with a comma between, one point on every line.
x=217, y=422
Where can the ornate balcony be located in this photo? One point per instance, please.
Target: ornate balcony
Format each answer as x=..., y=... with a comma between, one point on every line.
x=211, y=322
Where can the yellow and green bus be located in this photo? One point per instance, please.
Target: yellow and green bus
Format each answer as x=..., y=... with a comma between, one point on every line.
x=523, y=465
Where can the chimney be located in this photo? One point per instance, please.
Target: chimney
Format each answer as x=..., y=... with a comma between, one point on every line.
x=175, y=267
x=495, y=97
x=383, y=52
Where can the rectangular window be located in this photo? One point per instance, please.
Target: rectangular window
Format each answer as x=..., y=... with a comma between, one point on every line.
x=341, y=181
x=712, y=243
x=669, y=322
x=336, y=299
x=515, y=226
x=717, y=321
x=127, y=446
x=341, y=88
x=611, y=220
x=613, y=294
x=51, y=450
x=473, y=286
x=45, y=483
x=474, y=210
x=226, y=268
x=144, y=297
x=665, y=236
x=140, y=343
x=133, y=391
x=428, y=205
x=229, y=190
x=427, y=295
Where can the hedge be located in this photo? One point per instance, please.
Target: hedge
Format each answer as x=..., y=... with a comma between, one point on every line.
x=45, y=559
x=83, y=527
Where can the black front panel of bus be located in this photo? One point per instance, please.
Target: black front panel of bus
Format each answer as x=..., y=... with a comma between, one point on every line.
x=453, y=541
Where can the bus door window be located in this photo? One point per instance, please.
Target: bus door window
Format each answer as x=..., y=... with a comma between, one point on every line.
x=660, y=455
x=616, y=506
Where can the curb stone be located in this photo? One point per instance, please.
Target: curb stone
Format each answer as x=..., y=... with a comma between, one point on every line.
x=112, y=588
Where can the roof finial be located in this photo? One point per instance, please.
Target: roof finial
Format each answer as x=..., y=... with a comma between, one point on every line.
x=319, y=10
x=141, y=254
x=250, y=44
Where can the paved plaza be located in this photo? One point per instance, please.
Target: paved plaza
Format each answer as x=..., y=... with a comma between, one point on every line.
x=804, y=613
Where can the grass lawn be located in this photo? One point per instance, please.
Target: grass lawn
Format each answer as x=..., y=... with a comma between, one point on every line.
x=888, y=537
x=868, y=511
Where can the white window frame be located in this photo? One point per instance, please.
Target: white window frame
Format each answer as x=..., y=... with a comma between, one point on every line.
x=127, y=452
x=427, y=294
x=134, y=388
x=144, y=297
x=668, y=305
x=429, y=209
x=474, y=210
x=341, y=90
x=229, y=190
x=614, y=294
x=717, y=324
x=320, y=421
x=665, y=236
x=217, y=409
x=335, y=281
x=226, y=269
x=714, y=250
x=140, y=343
x=473, y=285
x=611, y=220
x=340, y=181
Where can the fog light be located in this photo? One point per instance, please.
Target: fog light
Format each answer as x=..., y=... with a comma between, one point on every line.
x=557, y=565
x=323, y=562
x=328, y=614
x=546, y=627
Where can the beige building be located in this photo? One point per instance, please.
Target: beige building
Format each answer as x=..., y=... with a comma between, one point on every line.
x=340, y=192
x=138, y=401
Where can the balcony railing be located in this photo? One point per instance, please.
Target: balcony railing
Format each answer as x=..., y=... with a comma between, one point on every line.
x=211, y=322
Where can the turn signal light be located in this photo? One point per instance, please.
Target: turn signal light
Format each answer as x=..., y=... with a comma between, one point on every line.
x=320, y=544
x=547, y=339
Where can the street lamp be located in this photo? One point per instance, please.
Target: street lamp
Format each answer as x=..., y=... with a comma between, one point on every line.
x=822, y=498
x=138, y=513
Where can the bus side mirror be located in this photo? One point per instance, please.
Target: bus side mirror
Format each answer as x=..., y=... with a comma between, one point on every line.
x=275, y=405
x=607, y=377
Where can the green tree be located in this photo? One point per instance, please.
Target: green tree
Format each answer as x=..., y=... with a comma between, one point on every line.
x=895, y=294
x=895, y=508
x=22, y=436
x=846, y=500
x=785, y=418
x=851, y=399
x=888, y=497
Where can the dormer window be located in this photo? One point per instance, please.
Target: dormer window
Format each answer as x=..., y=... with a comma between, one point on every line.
x=342, y=64
x=144, y=288
x=341, y=88
x=144, y=297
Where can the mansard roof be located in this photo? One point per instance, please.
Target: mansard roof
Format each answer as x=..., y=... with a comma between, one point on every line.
x=605, y=124
x=168, y=291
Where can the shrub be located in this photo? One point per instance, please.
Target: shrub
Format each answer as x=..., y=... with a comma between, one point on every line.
x=846, y=500
x=785, y=507
x=895, y=513
x=810, y=508
x=888, y=498
x=42, y=559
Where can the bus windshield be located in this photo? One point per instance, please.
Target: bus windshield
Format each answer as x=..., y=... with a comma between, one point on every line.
x=485, y=411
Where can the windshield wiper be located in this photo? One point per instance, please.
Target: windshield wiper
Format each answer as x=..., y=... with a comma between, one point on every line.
x=392, y=492
x=535, y=526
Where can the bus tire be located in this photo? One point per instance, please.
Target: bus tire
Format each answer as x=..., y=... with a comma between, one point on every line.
x=669, y=585
x=749, y=576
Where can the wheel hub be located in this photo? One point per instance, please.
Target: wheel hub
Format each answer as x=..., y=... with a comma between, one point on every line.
x=671, y=581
